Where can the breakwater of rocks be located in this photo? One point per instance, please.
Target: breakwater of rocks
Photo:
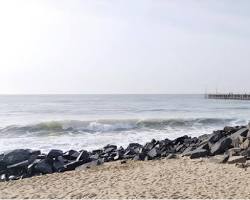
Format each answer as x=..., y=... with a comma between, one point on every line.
x=231, y=143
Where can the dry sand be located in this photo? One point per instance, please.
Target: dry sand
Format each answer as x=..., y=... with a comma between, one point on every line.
x=177, y=178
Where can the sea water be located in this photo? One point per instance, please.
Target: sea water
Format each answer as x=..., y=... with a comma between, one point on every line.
x=92, y=121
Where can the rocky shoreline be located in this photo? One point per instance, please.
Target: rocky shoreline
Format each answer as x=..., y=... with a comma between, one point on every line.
x=230, y=145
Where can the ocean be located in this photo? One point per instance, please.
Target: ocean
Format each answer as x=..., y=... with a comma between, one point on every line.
x=93, y=121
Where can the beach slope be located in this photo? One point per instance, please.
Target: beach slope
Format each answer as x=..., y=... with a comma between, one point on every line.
x=175, y=178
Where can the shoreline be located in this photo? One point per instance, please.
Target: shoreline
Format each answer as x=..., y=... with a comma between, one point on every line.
x=180, y=159
x=175, y=178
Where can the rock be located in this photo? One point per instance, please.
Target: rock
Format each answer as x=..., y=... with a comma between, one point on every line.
x=94, y=157
x=19, y=155
x=204, y=145
x=71, y=155
x=221, y=146
x=197, y=153
x=216, y=136
x=153, y=153
x=41, y=156
x=58, y=166
x=234, y=152
x=242, y=132
x=148, y=146
x=54, y=153
x=22, y=164
x=97, y=151
x=73, y=165
x=171, y=156
x=62, y=159
x=180, y=148
x=140, y=156
x=180, y=140
x=109, y=148
x=90, y=164
x=13, y=178
x=43, y=167
x=129, y=153
x=246, y=153
x=134, y=146
x=245, y=145
x=236, y=159
x=188, y=150
x=83, y=156
x=219, y=159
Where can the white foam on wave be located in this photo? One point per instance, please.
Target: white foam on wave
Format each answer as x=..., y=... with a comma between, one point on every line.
x=90, y=135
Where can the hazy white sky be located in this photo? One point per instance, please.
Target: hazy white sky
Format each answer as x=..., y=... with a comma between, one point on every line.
x=124, y=46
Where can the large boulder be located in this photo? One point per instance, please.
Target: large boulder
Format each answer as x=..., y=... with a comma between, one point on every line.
x=83, y=156
x=153, y=153
x=240, y=133
x=18, y=156
x=54, y=153
x=44, y=167
x=216, y=136
x=58, y=166
x=221, y=146
x=71, y=155
x=198, y=153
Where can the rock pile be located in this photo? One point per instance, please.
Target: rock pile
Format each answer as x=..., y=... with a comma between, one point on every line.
x=231, y=143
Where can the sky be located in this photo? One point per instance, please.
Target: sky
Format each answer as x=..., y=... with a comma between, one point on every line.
x=124, y=46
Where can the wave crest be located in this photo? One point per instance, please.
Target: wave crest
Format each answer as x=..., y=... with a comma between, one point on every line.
x=103, y=126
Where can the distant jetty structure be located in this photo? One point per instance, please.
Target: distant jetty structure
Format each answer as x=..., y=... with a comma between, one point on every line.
x=229, y=96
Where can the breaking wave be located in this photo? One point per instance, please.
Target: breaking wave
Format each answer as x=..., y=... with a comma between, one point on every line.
x=74, y=127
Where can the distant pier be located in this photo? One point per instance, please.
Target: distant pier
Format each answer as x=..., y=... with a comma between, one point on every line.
x=228, y=96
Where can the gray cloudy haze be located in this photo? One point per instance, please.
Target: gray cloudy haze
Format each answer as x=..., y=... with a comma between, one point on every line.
x=118, y=46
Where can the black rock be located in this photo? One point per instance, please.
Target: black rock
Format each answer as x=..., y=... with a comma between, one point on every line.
x=83, y=156
x=180, y=140
x=140, y=156
x=130, y=152
x=41, y=156
x=13, y=178
x=19, y=155
x=54, y=153
x=90, y=164
x=22, y=164
x=71, y=155
x=94, y=157
x=188, y=150
x=153, y=153
x=148, y=146
x=62, y=159
x=58, y=166
x=44, y=167
x=134, y=146
x=97, y=151
x=180, y=148
x=204, y=145
x=72, y=165
x=221, y=146
x=216, y=136
x=109, y=148
x=197, y=153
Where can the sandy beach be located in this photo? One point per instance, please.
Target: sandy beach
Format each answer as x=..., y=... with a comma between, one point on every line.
x=175, y=178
